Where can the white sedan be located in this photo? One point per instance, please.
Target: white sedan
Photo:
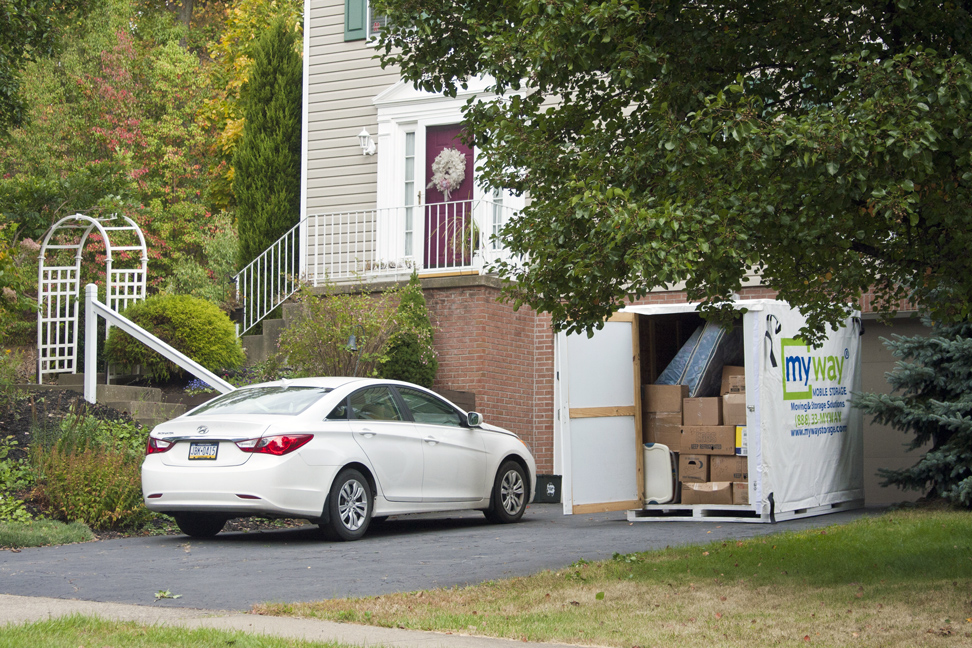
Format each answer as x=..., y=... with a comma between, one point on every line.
x=340, y=452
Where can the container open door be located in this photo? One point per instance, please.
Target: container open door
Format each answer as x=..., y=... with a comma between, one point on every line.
x=599, y=417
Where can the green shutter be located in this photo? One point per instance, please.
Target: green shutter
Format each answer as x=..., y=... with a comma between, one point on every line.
x=355, y=19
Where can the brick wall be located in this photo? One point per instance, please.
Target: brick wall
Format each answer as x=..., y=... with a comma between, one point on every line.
x=504, y=356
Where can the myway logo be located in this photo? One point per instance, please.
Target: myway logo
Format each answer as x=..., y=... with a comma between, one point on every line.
x=800, y=365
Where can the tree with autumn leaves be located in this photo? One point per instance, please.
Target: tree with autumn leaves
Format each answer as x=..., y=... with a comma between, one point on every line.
x=134, y=113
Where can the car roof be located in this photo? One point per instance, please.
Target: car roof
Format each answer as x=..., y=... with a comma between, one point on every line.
x=330, y=382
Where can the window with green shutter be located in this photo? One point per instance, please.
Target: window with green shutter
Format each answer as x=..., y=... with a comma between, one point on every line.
x=355, y=20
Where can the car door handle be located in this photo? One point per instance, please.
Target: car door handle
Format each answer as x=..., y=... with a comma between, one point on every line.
x=366, y=433
x=431, y=440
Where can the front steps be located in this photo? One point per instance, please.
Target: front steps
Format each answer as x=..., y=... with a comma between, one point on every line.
x=145, y=404
x=260, y=347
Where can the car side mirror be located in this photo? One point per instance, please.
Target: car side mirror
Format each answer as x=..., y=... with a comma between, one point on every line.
x=474, y=419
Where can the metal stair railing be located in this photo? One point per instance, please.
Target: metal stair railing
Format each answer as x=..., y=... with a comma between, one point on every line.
x=269, y=280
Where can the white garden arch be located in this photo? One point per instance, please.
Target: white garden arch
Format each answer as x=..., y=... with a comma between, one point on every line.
x=59, y=276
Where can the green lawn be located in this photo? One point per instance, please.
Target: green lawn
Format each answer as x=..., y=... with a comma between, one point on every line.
x=899, y=579
x=75, y=631
x=40, y=533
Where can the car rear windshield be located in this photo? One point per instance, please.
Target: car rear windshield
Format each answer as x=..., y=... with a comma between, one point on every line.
x=286, y=401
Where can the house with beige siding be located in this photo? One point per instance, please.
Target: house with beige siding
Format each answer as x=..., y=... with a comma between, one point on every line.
x=371, y=214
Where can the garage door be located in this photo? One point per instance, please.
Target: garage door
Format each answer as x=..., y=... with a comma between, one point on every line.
x=599, y=417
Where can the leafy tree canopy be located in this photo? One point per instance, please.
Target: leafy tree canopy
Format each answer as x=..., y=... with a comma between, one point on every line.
x=824, y=145
x=28, y=30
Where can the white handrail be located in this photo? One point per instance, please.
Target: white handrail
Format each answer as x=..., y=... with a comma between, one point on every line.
x=365, y=245
x=94, y=309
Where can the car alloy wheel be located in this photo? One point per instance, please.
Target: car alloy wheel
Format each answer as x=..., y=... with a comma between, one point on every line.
x=350, y=504
x=510, y=493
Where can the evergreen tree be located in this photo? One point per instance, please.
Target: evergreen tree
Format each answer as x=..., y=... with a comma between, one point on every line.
x=411, y=356
x=266, y=178
x=931, y=398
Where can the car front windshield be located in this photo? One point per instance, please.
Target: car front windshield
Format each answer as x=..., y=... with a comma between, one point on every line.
x=280, y=400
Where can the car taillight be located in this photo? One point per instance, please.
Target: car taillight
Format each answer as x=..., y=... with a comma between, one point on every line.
x=155, y=446
x=275, y=445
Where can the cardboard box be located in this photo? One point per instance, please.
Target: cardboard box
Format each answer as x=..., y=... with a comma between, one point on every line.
x=693, y=468
x=664, y=428
x=713, y=439
x=663, y=398
x=734, y=469
x=733, y=380
x=702, y=411
x=707, y=493
x=734, y=409
x=740, y=492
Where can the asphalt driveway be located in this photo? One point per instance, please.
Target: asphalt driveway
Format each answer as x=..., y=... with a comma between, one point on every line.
x=235, y=570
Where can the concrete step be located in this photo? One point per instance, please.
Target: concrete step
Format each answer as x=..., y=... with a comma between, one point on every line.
x=256, y=349
x=290, y=310
x=272, y=330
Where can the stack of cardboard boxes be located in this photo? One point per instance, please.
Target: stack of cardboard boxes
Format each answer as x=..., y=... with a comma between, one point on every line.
x=707, y=433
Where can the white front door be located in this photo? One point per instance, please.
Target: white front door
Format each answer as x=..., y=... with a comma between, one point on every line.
x=600, y=419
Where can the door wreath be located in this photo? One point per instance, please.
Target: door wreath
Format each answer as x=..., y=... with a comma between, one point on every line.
x=448, y=171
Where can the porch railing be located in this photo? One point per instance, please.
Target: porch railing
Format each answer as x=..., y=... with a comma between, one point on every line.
x=370, y=245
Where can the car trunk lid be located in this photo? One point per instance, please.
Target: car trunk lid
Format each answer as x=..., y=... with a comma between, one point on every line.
x=208, y=442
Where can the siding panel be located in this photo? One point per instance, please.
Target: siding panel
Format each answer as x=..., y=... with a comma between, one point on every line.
x=344, y=79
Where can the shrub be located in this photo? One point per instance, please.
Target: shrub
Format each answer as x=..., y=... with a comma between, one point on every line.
x=194, y=326
x=15, y=475
x=317, y=342
x=81, y=430
x=101, y=488
x=89, y=471
x=411, y=354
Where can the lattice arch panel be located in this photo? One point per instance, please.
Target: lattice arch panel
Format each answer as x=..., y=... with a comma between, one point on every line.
x=59, y=277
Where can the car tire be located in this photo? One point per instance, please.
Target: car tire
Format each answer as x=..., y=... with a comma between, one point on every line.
x=349, y=505
x=196, y=525
x=510, y=494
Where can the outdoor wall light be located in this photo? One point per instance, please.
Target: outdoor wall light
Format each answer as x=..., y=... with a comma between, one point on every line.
x=368, y=146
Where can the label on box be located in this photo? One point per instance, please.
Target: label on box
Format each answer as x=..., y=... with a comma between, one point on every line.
x=732, y=468
x=712, y=439
x=702, y=411
x=742, y=441
x=693, y=468
x=733, y=380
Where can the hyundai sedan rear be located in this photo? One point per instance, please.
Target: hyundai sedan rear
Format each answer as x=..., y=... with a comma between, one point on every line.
x=339, y=452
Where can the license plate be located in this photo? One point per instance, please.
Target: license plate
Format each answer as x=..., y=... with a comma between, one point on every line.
x=202, y=450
